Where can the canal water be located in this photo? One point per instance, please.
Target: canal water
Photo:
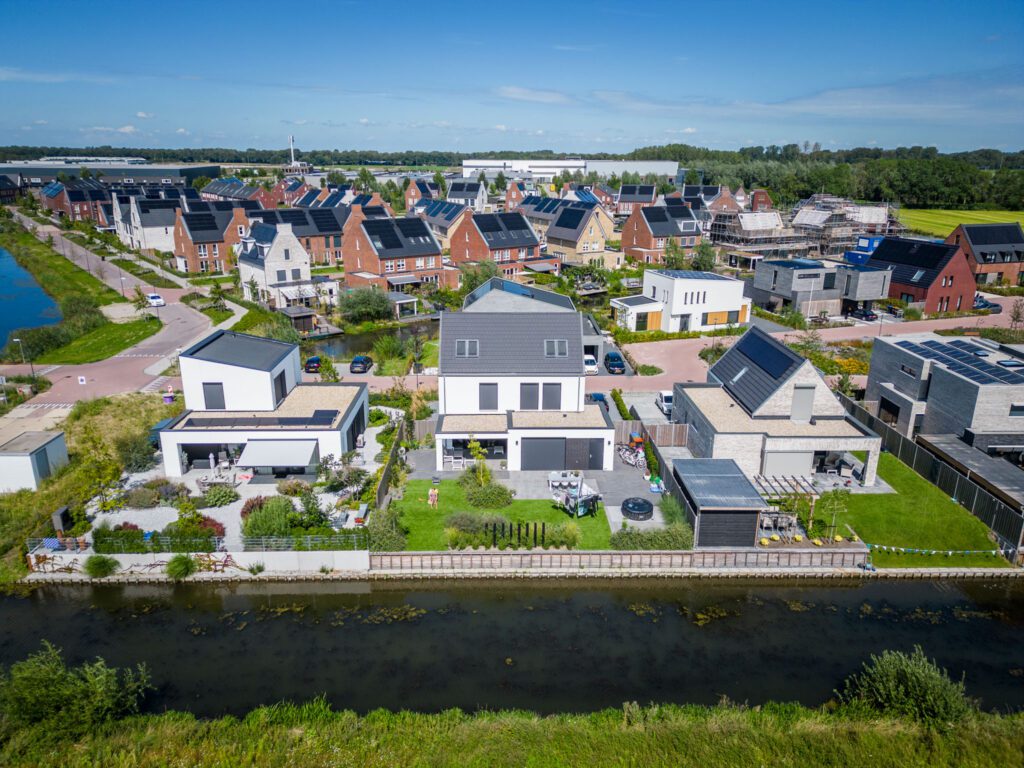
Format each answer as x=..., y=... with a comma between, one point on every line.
x=348, y=345
x=544, y=647
x=23, y=304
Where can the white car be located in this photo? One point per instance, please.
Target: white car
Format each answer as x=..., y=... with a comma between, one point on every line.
x=664, y=402
x=155, y=300
x=590, y=365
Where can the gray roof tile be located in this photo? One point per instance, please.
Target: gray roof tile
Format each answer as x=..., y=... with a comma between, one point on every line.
x=511, y=344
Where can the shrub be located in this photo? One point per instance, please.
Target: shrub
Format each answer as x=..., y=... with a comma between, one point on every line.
x=256, y=569
x=620, y=405
x=219, y=496
x=251, y=505
x=142, y=497
x=672, y=537
x=135, y=452
x=564, y=535
x=43, y=690
x=469, y=522
x=386, y=531
x=378, y=417
x=648, y=370
x=292, y=487
x=653, y=465
x=273, y=518
x=671, y=510
x=908, y=685
x=169, y=491
x=211, y=526
x=911, y=313
x=181, y=566
x=388, y=348
x=100, y=566
x=490, y=496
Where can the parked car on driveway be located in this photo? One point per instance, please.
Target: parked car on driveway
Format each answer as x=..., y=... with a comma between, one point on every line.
x=980, y=302
x=155, y=300
x=313, y=364
x=360, y=364
x=664, y=402
x=590, y=365
x=613, y=363
x=864, y=314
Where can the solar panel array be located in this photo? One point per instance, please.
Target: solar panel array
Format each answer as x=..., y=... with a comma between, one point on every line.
x=656, y=214
x=771, y=360
x=411, y=227
x=514, y=222
x=200, y=222
x=487, y=223
x=570, y=218
x=963, y=361
x=325, y=221
x=383, y=231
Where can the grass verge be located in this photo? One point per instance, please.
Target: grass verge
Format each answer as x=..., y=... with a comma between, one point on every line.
x=57, y=276
x=147, y=275
x=103, y=342
x=940, y=223
x=426, y=525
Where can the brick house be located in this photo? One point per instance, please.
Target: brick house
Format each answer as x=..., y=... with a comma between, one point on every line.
x=420, y=190
x=507, y=239
x=78, y=200
x=442, y=218
x=606, y=196
x=994, y=251
x=395, y=255
x=204, y=242
x=649, y=230
x=760, y=200
x=515, y=193
x=319, y=230
x=935, y=275
x=633, y=196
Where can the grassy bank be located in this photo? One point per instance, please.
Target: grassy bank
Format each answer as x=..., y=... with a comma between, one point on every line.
x=92, y=431
x=104, y=342
x=426, y=525
x=940, y=223
x=312, y=735
x=147, y=275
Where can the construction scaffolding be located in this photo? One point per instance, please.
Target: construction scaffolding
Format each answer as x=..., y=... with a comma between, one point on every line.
x=762, y=233
x=832, y=224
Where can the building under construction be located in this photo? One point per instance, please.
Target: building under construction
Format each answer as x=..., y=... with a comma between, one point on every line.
x=763, y=233
x=832, y=224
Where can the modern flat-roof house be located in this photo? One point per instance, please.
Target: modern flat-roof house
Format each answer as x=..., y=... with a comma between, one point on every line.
x=933, y=276
x=245, y=404
x=507, y=239
x=394, y=254
x=30, y=458
x=633, y=196
x=770, y=411
x=677, y=300
x=650, y=230
x=515, y=382
x=502, y=295
x=930, y=384
x=994, y=251
x=274, y=269
x=724, y=505
x=419, y=191
x=321, y=231
x=818, y=287
x=443, y=218
x=471, y=194
x=110, y=170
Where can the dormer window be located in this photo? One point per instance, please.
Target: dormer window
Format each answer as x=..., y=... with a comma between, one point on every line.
x=467, y=348
x=556, y=348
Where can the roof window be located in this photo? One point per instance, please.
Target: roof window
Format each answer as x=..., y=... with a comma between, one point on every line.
x=467, y=348
x=556, y=348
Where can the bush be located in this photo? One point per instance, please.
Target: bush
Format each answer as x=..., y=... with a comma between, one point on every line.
x=490, y=496
x=908, y=685
x=251, y=505
x=211, y=526
x=256, y=569
x=169, y=491
x=671, y=510
x=135, y=452
x=181, y=566
x=219, y=496
x=100, y=566
x=911, y=313
x=386, y=531
x=142, y=498
x=43, y=690
x=653, y=465
x=648, y=370
x=378, y=417
x=273, y=518
x=620, y=405
x=388, y=348
x=292, y=487
x=672, y=537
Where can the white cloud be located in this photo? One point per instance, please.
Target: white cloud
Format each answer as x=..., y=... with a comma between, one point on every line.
x=441, y=124
x=295, y=122
x=144, y=115
x=128, y=129
x=675, y=131
x=364, y=121
x=501, y=127
x=182, y=132
x=517, y=93
x=40, y=122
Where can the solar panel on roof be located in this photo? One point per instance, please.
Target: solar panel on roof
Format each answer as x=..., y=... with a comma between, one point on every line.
x=325, y=221
x=200, y=222
x=294, y=216
x=570, y=218
x=513, y=222
x=488, y=223
x=655, y=214
x=383, y=230
x=769, y=358
x=412, y=227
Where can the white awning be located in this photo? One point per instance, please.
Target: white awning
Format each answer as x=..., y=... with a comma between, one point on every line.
x=298, y=292
x=545, y=267
x=403, y=279
x=278, y=453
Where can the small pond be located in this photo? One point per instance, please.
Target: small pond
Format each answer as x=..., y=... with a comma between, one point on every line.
x=348, y=345
x=23, y=303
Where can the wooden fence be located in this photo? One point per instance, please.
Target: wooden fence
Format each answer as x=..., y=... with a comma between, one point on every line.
x=660, y=434
x=423, y=427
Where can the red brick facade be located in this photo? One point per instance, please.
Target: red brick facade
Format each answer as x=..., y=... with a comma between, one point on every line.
x=364, y=268
x=1004, y=272
x=760, y=200
x=214, y=257
x=951, y=291
x=513, y=196
x=468, y=245
x=639, y=244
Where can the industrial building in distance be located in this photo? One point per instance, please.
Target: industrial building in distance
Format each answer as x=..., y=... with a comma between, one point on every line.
x=545, y=170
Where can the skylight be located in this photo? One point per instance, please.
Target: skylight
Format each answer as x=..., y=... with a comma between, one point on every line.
x=467, y=348
x=917, y=276
x=556, y=348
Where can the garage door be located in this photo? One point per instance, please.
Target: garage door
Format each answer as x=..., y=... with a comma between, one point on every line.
x=543, y=453
x=584, y=453
x=727, y=529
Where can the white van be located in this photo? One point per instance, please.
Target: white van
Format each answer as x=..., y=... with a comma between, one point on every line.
x=664, y=402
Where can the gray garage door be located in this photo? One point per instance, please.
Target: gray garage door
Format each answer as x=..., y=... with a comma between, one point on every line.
x=727, y=529
x=543, y=453
x=584, y=453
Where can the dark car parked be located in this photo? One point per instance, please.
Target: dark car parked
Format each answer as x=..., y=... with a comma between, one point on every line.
x=312, y=365
x=980, y=302
x=614, y=363
x=864, y=314
x=360, y=364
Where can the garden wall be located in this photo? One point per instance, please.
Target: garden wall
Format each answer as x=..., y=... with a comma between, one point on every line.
x=153, y=564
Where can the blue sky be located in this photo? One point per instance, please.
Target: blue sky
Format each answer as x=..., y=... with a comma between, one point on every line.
x=570, y=76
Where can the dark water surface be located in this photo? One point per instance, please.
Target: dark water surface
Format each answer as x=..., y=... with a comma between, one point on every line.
x=349, y=345
x=23, y=304
x=225, y=649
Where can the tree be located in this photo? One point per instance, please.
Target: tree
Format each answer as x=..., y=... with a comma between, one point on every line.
x=364, y=304
x=200, y=181
x=704, y=258
x=366, y=181
x=675, y=256
x=473, y=276
x=217, y=295
x=140, y=300
x=328, y=372
x=336, y=178
x=482, y=178
x=84, y=173
x=441, y=183
x=1017, y=313
x=500, y=182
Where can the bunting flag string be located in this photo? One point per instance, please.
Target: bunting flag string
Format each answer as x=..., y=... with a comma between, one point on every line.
x=942, y=552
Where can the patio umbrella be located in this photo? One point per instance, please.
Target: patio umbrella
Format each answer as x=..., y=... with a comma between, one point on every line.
x=211, y=460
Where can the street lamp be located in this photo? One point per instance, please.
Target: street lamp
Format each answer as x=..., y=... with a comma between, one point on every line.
x=122, y=286
x=30, y=365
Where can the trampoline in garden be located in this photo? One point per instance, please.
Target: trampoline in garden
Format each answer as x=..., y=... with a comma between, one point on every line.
x=635, y=508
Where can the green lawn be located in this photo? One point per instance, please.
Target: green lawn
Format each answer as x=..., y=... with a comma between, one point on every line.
x=104, y=342
x=430, y=352
x=145, y=274
x=940, y=223
x=919, y=515
x=57, y=276
x=217, y=315
x=222, y=279
x=397, y=366
x=426, y=525
x=338, y=270
x=252, y=318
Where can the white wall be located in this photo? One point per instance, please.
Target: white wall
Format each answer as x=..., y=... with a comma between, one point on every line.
x=680, y=298
x=329, y=441
x=461, y=394
x=515, y=442
x=16, y=472
x=275, y=562
x=245, y=389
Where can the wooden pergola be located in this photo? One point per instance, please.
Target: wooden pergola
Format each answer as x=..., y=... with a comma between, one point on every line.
x=777, y=487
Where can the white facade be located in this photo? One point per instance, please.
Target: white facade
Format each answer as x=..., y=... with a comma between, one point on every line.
x=280, y=268
x=329, y=442
x=687, y=303
x=30, y=458
x=546, y=170
x=461, y=394
x=133, y=234
x=245, y=389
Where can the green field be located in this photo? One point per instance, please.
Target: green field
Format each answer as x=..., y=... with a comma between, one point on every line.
x=426, y=525
x=919, y=516
x=941, y=223
x=57, y=276
x=104, y=342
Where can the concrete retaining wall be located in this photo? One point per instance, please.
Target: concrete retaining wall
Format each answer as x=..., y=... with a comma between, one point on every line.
x=216, y=562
